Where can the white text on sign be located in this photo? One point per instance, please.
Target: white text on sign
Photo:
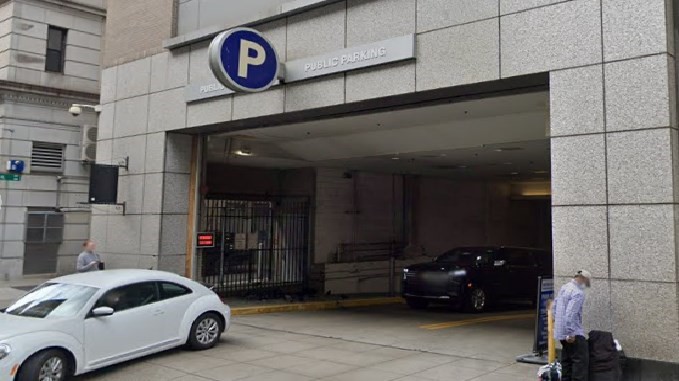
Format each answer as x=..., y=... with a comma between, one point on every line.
x=344, y=59
x=246, y=60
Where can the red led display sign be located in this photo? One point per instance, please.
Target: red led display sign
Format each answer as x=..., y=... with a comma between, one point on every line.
x=205, y=240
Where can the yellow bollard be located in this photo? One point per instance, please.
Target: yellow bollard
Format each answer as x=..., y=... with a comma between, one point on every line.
x=551, y=344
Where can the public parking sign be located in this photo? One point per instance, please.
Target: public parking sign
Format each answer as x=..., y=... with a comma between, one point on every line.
x=243, y=60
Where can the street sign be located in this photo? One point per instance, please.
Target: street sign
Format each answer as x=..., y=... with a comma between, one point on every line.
x=10, y=177
x=541, y=342
x=205, y=240
x=546, y=293
x=243, y=60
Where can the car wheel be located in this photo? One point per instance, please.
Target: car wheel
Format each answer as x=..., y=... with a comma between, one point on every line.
x=49, y=365
x=477, y=300
x=417, y=303
x=205, y=332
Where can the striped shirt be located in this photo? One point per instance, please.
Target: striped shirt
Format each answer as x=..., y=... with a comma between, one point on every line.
x=567, y=311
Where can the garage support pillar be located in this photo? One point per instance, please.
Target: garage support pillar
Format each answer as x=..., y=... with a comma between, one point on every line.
x=156, y=190
x=614, y=194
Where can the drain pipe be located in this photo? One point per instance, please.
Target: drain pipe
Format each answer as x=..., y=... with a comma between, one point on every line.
x=59, y=180
x=392, y=270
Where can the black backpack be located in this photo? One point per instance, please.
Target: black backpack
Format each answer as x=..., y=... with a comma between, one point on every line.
x=604, y=358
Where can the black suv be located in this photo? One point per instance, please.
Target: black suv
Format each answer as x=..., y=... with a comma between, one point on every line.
x=472, y=277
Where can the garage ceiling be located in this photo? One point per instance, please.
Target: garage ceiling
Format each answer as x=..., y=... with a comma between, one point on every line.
x=502, y=137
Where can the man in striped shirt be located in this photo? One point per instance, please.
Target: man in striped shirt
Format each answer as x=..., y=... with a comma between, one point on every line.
x=569, y=330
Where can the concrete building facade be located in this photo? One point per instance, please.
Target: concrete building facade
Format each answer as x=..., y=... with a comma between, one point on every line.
x=49, y=59
x=609, y=66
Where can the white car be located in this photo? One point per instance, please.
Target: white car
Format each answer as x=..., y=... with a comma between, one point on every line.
x=78, y=323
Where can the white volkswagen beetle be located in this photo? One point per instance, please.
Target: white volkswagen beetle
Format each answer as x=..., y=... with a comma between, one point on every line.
x=78, y=323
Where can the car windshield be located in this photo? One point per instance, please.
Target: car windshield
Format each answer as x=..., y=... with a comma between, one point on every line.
x=53, y=300
x=466, y=257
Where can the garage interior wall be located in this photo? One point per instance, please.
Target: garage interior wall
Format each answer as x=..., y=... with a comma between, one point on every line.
x=369, y=208
x=364, y=207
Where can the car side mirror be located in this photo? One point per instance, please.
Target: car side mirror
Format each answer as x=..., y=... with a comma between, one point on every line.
x=102, y=311
x=499, y=263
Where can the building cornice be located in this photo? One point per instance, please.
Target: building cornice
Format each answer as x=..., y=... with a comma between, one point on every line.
x=43, y=95
x=74, y=5
x=275, y=13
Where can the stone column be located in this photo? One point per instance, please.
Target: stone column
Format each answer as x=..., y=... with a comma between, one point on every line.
x=614, y=182
x=140, y=105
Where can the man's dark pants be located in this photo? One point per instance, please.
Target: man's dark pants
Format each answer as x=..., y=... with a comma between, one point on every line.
x=575, y=360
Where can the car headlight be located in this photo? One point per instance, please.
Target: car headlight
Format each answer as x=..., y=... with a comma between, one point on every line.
x=5, y=350
x=459, y=273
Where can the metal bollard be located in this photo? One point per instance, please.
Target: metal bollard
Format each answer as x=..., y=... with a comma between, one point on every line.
x=551, y=344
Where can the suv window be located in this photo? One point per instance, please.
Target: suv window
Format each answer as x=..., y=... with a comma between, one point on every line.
x=130, y=296
x=520, y=258
x=171, y=290
x=467, y=256
x=543, y=259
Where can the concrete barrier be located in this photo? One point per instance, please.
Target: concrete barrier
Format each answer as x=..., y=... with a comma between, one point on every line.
x=315, y=306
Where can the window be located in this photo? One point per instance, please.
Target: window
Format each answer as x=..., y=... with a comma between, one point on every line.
x=520, y=258
x=53, y=299
x=171, y=290
x=47, y=157
x=56, y=47
x=467, y=256
x=131, y=296
x=44, y=227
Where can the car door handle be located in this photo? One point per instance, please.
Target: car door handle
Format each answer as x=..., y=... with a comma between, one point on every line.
x=158, y=313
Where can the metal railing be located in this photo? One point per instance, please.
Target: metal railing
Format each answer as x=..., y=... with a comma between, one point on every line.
x=367, y=252
x=372, y=251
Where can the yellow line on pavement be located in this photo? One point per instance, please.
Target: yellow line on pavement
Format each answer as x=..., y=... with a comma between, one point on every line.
x=315, y=306
x=460, y=323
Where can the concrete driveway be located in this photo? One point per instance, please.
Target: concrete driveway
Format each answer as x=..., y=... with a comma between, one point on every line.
x=380, y=343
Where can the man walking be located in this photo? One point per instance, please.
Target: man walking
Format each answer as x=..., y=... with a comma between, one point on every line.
x=568, y=328
x=88, y=260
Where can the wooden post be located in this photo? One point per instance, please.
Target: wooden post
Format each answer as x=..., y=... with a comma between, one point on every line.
x=191, y=218
x=551, y=343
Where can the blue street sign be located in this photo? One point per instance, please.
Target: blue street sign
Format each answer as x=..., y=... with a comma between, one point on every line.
x=545, y=294
x=243, y=60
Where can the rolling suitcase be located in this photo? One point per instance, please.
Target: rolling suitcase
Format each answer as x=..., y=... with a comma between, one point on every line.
x=604, y=357
x=550, y=372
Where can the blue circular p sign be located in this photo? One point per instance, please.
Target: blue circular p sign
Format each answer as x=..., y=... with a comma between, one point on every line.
x=243, y=60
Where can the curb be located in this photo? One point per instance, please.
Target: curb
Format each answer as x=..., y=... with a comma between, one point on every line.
x=315, y=306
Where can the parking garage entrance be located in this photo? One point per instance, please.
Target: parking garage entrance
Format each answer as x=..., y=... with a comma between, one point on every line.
x=342, y=205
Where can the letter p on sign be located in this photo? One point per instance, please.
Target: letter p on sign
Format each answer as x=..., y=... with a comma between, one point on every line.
x=248, y=59
x=243, y=60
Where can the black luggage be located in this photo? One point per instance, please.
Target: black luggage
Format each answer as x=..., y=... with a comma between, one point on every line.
x=604, y=359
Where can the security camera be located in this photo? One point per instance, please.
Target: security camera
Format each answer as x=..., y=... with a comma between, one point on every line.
x=75, y=110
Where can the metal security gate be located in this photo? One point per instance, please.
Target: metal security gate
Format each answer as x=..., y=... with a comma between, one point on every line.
x=262, y=246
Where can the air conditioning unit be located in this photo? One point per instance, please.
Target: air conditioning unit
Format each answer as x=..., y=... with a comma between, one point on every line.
x=88, y=144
